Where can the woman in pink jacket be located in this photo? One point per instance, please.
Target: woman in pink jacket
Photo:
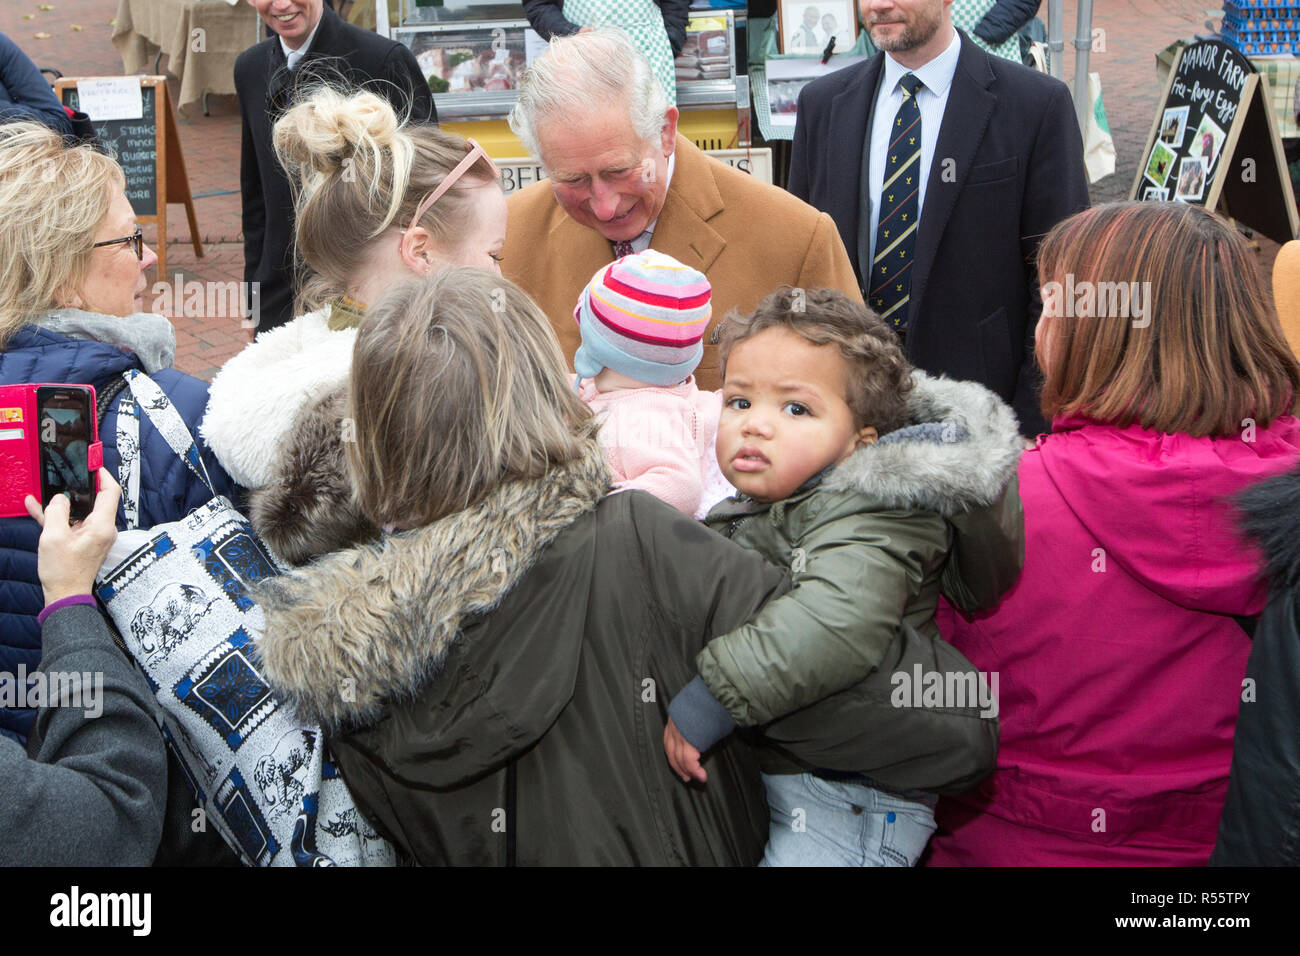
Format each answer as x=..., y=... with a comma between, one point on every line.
x=1119, y=652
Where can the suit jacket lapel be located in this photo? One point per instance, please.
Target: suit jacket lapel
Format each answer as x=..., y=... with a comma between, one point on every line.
x=279, y=81
x=326, y=41
x=849, y=121
x=965, y=120
x=582, y=250
x=683, y=229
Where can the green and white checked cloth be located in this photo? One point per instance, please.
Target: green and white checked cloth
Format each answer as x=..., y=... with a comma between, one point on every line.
x=966, y=14
x=643, y=21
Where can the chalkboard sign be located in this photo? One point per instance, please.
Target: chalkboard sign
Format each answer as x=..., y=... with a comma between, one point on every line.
x=149, y=151
x=1215, y=143
x=134, y=143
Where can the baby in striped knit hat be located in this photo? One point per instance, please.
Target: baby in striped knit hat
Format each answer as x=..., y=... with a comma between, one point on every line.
x=642, y=320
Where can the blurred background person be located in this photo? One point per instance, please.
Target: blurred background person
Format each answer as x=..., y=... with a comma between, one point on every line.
x=25, y=94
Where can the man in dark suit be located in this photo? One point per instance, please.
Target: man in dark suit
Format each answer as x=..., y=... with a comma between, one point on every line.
x=311, y=44
x=942, y=180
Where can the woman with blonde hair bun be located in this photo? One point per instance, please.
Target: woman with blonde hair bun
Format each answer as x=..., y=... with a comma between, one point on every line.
x=377, y=201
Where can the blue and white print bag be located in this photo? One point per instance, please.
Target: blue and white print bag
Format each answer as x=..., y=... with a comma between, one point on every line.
x=180, y=600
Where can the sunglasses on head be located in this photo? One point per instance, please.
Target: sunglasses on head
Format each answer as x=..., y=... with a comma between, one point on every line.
x=475, y=152
x=136, y=239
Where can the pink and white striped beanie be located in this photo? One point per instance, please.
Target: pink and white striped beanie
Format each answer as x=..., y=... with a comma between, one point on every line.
x=644, y=316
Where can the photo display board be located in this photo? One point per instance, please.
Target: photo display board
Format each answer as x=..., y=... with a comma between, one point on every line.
x=1215, y=143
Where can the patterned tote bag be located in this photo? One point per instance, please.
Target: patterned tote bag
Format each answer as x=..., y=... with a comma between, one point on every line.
x=263, y=778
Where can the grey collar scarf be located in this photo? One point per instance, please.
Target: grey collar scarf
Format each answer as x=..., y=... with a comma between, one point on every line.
x=149, y=336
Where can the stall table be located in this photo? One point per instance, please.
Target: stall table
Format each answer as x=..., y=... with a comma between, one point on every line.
x=201, y=38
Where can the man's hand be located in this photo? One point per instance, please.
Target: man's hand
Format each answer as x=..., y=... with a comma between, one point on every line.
x=682, y=757
x=70, y=555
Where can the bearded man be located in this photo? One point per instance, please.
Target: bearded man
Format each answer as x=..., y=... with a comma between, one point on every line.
x=943, y=167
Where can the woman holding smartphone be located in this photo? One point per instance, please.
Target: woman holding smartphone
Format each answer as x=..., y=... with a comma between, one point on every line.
x=72, y=273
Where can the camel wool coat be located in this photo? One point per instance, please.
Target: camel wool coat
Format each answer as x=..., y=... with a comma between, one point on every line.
x=746, y=236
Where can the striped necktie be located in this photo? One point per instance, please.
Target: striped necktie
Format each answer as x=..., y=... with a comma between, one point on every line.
x=891, y=268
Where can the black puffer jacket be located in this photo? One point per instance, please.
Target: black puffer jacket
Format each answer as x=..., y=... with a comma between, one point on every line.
x=1261, y=817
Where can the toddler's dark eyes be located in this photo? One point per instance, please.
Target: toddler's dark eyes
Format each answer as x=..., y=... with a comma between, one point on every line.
x=739, y=404
x=797, y=408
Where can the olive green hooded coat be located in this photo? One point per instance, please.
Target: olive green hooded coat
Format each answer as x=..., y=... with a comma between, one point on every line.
x=494, y=685
x=870, y=544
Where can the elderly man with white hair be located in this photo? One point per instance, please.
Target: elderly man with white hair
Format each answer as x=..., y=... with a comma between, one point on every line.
x=622, y=180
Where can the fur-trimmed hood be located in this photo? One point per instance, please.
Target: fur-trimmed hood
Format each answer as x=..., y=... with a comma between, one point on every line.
x=959, y=451
x=307, y=508
x=256, y=396
x=1270, y=515
x=374, y=623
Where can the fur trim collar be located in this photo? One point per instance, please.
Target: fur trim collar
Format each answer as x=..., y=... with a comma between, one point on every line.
x=255, y=397
x=1270, y=517
x=363, y=626
x=961, y=449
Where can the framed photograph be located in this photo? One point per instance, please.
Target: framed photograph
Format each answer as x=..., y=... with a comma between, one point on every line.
x=1207, y=141
x=486, y=60
x=1173, y=126
x=1191, y=179
x=1161, y=164
x=1155, y=194
x=808, y=25
x=786, y=78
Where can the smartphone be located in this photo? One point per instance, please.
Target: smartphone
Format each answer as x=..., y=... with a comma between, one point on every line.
x=65, y=416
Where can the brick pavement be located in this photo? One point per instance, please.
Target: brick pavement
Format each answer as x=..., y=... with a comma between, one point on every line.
x=1134, y=31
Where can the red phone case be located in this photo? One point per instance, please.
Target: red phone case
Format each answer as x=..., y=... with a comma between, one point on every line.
x=20, y=457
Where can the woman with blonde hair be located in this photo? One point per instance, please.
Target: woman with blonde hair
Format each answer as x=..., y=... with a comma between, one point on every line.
x=1122, y=649
x=376, y=202
x=72, y=272
x=493, y=674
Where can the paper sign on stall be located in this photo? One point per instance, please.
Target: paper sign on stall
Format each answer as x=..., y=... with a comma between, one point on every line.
x=111, y=98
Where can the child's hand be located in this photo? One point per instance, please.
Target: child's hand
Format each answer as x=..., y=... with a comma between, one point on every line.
x=682, y=757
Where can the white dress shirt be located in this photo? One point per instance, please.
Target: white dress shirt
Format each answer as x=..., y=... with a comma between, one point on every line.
x=931, y=101
x=292, y=57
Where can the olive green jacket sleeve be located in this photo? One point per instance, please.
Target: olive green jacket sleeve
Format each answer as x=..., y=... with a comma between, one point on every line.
x=988, y=552
x=860, y=572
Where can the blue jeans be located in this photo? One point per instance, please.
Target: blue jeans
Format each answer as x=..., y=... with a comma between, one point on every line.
x=818, y=822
